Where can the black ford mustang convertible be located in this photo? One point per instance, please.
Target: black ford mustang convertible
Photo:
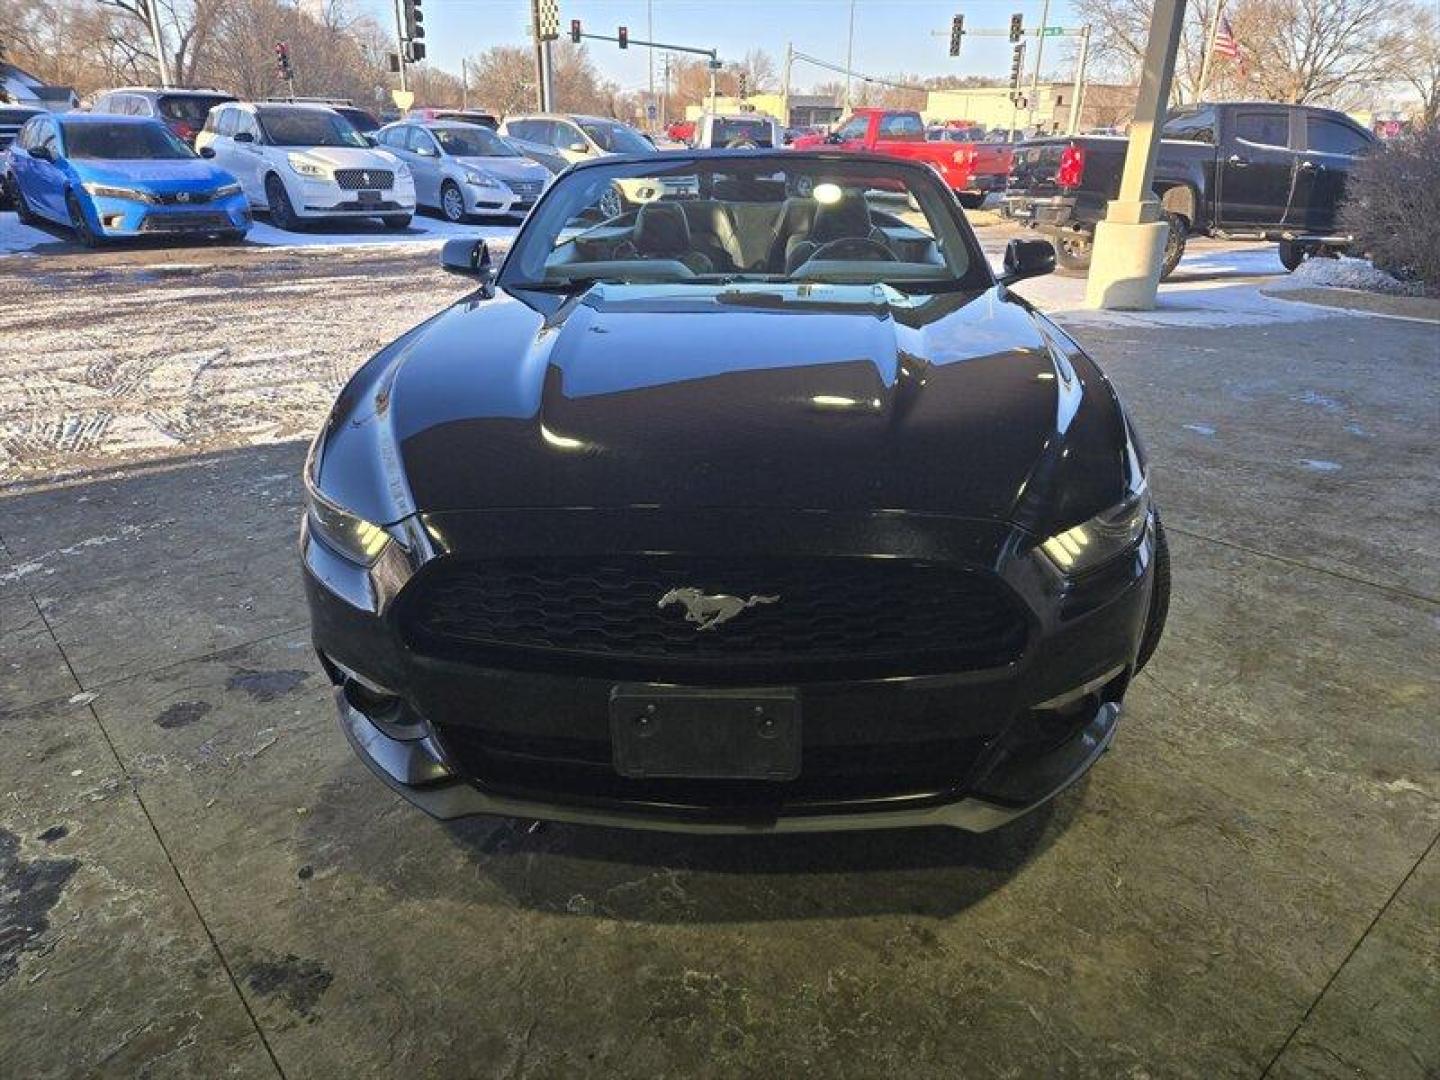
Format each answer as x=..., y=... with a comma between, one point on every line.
x=761, y=505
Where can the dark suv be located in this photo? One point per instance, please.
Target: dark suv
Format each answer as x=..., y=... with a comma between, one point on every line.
x=184, y=111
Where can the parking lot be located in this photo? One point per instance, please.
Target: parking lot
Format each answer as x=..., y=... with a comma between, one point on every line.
x=198, y=878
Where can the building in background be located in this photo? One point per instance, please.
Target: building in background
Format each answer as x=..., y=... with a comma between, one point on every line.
x=806, y=110
x=1103, y=106
x=19, y=87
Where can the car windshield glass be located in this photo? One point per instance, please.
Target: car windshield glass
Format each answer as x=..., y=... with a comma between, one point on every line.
x=749, y=131
x=617, y=138
x=123, y=142
x=192, y=107
x=471, y=141
x=308, y=127
x=777, y=217
x=359, y=119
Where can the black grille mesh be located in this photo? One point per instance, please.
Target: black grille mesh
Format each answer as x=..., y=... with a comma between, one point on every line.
x=889, y=617
x=198, y=222
x=364, y=179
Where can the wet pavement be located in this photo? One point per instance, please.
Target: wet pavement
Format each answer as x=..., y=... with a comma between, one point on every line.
x=197, y=878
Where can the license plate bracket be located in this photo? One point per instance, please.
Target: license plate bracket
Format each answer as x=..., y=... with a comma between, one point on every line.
x=697, y=733
x=367, y=198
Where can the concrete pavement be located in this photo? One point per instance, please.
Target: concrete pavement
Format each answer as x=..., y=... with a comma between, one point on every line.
x=196, y=878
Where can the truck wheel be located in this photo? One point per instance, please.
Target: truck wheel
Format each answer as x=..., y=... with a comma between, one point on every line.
x=1072, y=253
x=1291, y=255
x=971, y=200
x=1174, y=245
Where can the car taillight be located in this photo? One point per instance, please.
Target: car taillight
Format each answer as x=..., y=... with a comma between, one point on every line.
x=1072, y=166
x=184, y=130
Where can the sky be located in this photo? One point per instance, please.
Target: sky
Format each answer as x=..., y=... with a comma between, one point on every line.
x=890, y=35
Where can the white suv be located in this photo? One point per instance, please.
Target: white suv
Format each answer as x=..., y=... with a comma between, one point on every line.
x=303, y=161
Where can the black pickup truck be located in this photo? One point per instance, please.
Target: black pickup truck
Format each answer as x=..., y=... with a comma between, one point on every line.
x=1235, y=170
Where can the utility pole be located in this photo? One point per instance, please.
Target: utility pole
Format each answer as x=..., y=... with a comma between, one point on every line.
x=1077, y=92
x=545, y=27
x=464, y=86
x=850, y=55
x=152, y=16
x=1039, y=53
x=785, y=83
x=650, y=54
x=1211, y=32
x=400, y=44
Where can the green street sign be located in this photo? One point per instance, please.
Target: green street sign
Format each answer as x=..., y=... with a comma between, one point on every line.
x=1052, y=31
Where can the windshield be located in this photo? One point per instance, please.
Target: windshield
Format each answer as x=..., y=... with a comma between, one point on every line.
x=123, y=142
x=192, y=107
x=359, y=119
x=471, y=141
x=308, y=127
x=768, y=218
x=756, y=132
x=617, y=138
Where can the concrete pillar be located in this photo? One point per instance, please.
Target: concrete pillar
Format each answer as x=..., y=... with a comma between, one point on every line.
x=1130, y=242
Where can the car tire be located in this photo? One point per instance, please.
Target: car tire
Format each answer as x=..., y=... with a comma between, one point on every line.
x=1295, y=252
x=1174, y=245
x=612, y=204
x=79, y=224
x=282, y=211
x=971, y=200
x=22, y=208
x=236, y=236
x=452, y=202
x=396, y=222
x=1159, y=600
x=1072, y=253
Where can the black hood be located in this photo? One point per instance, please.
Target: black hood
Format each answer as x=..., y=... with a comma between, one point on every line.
x=795, y=397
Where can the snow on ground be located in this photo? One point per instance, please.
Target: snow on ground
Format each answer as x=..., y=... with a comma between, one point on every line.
x=1347, y=273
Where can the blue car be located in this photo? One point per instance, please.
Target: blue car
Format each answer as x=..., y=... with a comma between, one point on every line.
x=120, y=176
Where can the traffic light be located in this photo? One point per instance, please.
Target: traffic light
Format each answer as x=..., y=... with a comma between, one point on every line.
x=414, y=21
x=1017, y=65
x=575, y=31
x=1017, y=27
x=624, y=37
x=957, y=31
x=414, y=52
x=744, y=83
x=282, y=61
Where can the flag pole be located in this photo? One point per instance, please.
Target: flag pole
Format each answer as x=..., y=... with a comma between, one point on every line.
x=1211, y=33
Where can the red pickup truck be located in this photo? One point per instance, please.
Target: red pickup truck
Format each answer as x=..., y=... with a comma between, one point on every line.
x=971, y=169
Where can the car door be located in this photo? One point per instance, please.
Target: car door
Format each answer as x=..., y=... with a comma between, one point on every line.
x=569, y=141
x=46, y=189
x=1256, y=168
x=853, y=133
x=248, y=157
x=423, y=157
x=1332, y=146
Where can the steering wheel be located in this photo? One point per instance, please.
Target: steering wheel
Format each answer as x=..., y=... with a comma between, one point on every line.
x=853, y=247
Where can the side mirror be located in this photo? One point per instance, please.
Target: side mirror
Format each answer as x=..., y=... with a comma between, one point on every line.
x=370, y=140
x=578, y=147
x=207, y=151
x=833, y=138
x=1027, y=259
x=428, y=151
x=41, y=153
x=468, y=257
x=244, y=136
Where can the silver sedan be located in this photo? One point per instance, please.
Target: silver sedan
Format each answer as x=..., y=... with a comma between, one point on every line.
x=462, y=169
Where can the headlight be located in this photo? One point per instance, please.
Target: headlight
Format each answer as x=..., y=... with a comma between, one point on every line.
x=226, y=191
x=305, y=167
x=101, y=191
x=355, y=538
x=1102, y=538
x=481, y=179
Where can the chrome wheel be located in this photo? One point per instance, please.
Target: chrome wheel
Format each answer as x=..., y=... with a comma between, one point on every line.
x=452, y=202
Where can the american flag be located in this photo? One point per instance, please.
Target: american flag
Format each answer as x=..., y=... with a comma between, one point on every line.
x=1225, y=42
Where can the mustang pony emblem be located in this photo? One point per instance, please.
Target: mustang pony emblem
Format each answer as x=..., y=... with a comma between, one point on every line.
x=708, y=610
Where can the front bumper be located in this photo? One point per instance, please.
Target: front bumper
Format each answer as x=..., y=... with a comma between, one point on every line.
x=490, y=200
x=1031, y=727
x=117, y=218
x=327, y=200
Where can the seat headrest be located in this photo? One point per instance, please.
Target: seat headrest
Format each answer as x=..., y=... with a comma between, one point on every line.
x=850, y=217
x=661, y=229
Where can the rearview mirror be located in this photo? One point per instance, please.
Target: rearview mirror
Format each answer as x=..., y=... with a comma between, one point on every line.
x=468, y=257
x=207, y=151
x=1027, y=259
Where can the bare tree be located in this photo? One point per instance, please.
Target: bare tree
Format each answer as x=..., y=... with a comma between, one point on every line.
x=1121, y=30
x=1313, y=51
x=1412, y=49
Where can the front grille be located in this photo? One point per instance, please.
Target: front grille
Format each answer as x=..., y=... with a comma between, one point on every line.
x=163, y=222
x=184, y=198
x=552, y=768
x=365, y=179
x=528, y=189
x=833, y=618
